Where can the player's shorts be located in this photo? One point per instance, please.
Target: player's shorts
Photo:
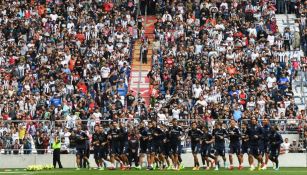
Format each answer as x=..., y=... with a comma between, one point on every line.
x=151, y=147
x=160, y=148
x=115, y=148
x=175, y=147
x=195, y=147
x=254, y=150
x=220, y=151
x=167, y=149
x=143, y=147
x=104, y=152
x=244, y=149
x=235, y=148
x=206, y=150
x=264, y=148
x=81, y=152
x=274, y=152
x=124, y=148
x=97, y=153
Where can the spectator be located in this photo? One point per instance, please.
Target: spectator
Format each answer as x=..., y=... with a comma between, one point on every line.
x=16, y=147
x=294, y=147
x=286, y=145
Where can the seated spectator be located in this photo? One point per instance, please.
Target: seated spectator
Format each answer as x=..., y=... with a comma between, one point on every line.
x=295, y=147
x=286, y=145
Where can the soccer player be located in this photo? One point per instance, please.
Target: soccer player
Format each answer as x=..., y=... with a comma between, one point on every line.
x=114, y=138
x=143, y=144
x=245, y=141
x=151, y=147
x=255, y=135
x=234, y=134
x=264, y=143
x=133, y=149
x=219, y=135
x=195, y=135
x=81, y=138
x=275, y=140
x=123, y=145
x=175, y=133
x=206, y=145
x=96, y=143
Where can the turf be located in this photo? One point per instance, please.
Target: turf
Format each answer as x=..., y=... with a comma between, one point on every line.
x=187, y=171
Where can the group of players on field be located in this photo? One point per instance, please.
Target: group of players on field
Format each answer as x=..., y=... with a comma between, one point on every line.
x=163, y=143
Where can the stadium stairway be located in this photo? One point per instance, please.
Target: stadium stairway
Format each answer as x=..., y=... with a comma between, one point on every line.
x=137, y=68
x=288, y=20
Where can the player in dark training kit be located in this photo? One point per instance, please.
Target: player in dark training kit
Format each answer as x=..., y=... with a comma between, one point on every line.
x=206, y=145
x=264, y=143
x=143, y=135
x=245, y=141
x=114, y=137
x=133, y=149
x=219, y=135
x=97, y=141
x=255, y=134
x=195, y=135
x=81, y=138
x=175, y=133
x=275, y=140
x=234, y=134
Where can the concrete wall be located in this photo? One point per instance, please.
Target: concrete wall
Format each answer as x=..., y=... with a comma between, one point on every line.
x=68, y=160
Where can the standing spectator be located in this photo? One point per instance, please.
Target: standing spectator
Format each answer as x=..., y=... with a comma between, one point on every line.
x=16, y=147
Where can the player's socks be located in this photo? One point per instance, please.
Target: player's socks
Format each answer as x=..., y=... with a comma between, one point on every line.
x=252, y=168
x=264, y=167
x=181, y=166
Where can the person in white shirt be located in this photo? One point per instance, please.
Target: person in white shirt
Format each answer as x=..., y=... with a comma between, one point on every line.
x=286, y=145
x=270, y=80
x=175, y=112
x=197, y=91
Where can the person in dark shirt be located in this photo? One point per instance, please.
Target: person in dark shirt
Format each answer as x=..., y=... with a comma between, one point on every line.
x=206, y=145
x=133, y=148
x=99, y=141
x=245, y=141
x=81, y=138
x=143, y=143
x=175, y=133
x=275, y=140
x=96, y=143
x=195, y=135
x=114, y=138
x=219, y=135
x=124, y=145
x=234, y=134
x=160, y=136
x=151, y=146
x=255, y=135
x=264, y=143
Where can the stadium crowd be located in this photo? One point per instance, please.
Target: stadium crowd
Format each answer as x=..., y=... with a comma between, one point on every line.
x=67, y=63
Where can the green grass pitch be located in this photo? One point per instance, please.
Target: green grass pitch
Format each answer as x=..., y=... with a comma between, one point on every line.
x=187, y=171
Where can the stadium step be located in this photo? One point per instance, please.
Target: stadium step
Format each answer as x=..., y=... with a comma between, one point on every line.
x=139, y=81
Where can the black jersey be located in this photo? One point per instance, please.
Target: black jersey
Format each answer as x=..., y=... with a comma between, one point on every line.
x=81, y=138
x=206, y=137
x=234, y=135
x=133, y=144
x=175, y=132
x=244, y=137
x=115, y=134
x=275, y=140
x=195, y=135
x=219, y=136
x=143, y=135
x=255, y=135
